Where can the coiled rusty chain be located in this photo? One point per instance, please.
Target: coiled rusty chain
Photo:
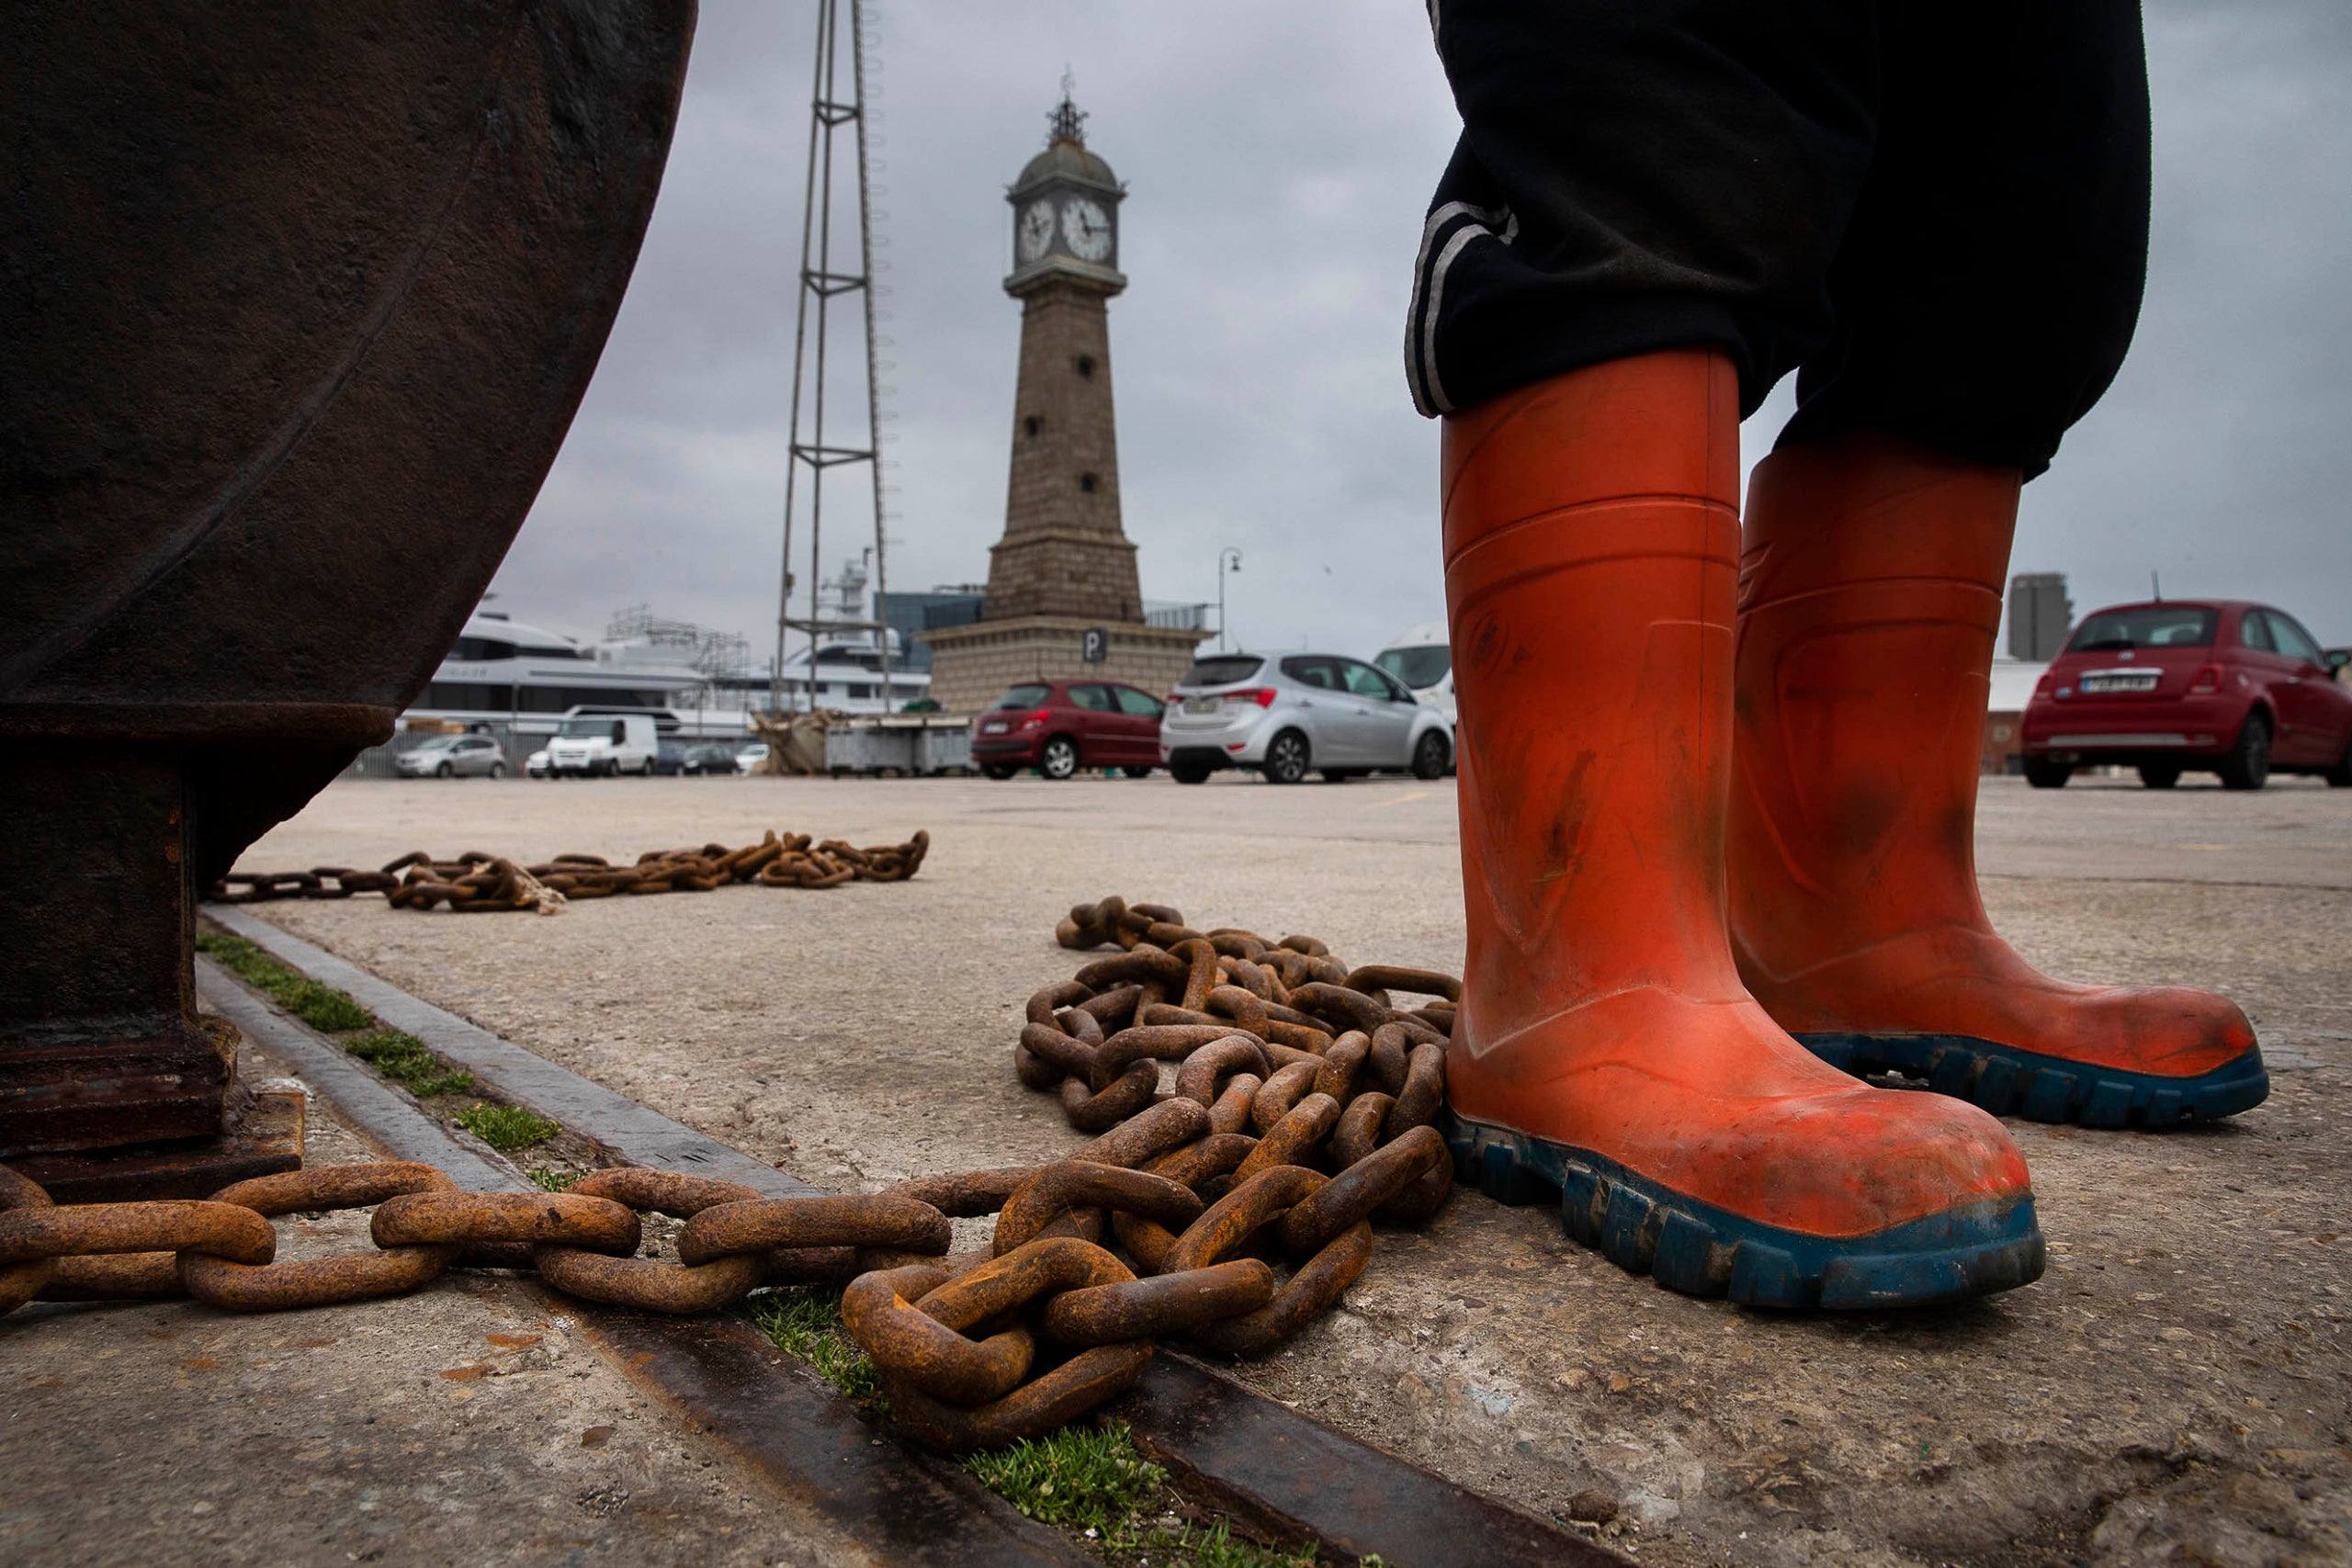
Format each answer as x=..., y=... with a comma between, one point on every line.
x=479, y=883
x=1303, y=1108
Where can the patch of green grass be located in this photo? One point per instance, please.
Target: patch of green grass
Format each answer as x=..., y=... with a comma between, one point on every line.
x=404, y=1059
x=1190, y=1546
x=326, y=1009
x=547, y=1181
x=507, y=1128
x=1081, y=1477
x=322, y=1006
x=1094, y=1481
x=806, y=1321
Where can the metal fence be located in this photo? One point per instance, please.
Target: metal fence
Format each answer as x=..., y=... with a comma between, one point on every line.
x=1177, y=617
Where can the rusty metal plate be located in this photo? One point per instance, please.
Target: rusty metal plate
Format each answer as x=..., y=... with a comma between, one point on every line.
x=1291, y=1478
x=264, y=1139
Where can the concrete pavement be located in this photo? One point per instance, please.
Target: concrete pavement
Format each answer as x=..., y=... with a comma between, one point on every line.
x=2175, y=1384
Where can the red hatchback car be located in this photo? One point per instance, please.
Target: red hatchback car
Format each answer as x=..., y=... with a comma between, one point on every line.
x=2220, y=686
x=1059, y=727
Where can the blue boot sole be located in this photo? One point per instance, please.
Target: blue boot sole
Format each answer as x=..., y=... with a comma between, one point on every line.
x=2007, y=1081
x=1645, y=1228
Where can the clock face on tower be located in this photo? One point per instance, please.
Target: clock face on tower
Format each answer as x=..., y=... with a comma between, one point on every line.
x=1037, y=229
x=1086, y=229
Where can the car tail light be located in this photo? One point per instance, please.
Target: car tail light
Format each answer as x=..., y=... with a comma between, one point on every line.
x=1035, y=717
x=2042, y=687
x=2206, y=681
x=1262, y=696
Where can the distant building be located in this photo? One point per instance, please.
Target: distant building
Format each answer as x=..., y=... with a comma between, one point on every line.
x=912, y=614
x=2008, y=689
x=2039, y=615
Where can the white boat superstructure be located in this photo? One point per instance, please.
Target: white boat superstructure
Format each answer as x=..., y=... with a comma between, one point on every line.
x=504, y=673
x=526, y=680
x=846, y=676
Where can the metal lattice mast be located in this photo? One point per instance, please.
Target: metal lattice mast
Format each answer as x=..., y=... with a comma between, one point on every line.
x=822, y=282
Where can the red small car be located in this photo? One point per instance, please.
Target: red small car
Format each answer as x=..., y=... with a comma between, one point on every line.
x=1059, y=727
x=2215, y=685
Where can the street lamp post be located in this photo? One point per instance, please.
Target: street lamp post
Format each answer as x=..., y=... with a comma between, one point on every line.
x=1223, y=556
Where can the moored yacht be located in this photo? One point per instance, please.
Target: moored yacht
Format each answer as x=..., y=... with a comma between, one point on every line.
x=506, y=675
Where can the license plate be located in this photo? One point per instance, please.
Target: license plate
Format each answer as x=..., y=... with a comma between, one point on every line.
x=1202, y=705
x=996, y=729
x=2119, y=681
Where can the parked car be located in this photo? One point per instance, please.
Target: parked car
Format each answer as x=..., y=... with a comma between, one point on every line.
x=593, y=746
x=1286, y=715
x=450, y=756
x=535, y=766
x=670, y=759
x=2214, y=685
x=749, y=759
x=1059, y=727
x=1422, y=659
x=712, y=757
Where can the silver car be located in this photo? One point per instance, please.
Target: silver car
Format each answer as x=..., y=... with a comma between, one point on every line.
x=1286, y=715
x=446, y=756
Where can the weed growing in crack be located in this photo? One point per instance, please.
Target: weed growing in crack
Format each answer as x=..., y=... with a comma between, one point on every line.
x=805, y=1320
x=1088, y=1478
x=506, y=1128
x=1094, y=1481
x=323, y=1007
x=404, y=1059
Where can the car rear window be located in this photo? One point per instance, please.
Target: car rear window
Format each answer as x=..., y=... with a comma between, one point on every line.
x=2149, y=626
x=1223, y=670
x=1023, y=697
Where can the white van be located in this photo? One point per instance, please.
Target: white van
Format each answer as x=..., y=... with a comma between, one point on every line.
x=600, y=745
x=1423, y=660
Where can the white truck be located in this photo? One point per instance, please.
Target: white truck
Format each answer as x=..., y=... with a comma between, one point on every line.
x=600, y=745
x=1423, y=660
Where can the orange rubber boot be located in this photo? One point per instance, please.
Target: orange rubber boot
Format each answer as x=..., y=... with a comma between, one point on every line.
x=1870, y=594
x=1604, y=1046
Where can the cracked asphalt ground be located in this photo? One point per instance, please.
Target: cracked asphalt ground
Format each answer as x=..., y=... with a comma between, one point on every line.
x=2175, y=1389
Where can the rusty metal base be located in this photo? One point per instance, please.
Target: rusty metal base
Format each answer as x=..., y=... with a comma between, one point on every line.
x=264, y=1135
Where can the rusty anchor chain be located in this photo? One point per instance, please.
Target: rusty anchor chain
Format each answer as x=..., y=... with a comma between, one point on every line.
x=1228, y=1211
x=478, y=883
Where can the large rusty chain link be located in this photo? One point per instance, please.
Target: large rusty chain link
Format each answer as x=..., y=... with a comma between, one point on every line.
x=475, y=882
x=1228, y=1210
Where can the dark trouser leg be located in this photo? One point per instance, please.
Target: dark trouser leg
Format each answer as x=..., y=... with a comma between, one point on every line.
x=1987, y=287
x=1640, y=174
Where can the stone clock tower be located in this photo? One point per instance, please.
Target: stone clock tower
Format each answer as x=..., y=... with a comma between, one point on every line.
x=1065, y=564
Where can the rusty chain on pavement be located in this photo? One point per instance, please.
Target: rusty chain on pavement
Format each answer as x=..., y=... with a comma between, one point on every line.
x=479, y=883
x=1229, y=1213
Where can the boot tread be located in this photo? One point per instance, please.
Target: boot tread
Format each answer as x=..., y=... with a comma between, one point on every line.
x=2010, y=1081
x=1685, y=1245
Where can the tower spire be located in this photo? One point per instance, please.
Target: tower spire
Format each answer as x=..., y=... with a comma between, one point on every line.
x=1069, y=122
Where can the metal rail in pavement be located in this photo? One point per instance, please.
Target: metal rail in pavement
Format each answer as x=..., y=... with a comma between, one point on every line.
x=1283, y=1473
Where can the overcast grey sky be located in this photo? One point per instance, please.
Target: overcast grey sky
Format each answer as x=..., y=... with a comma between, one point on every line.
x=1278, y=158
